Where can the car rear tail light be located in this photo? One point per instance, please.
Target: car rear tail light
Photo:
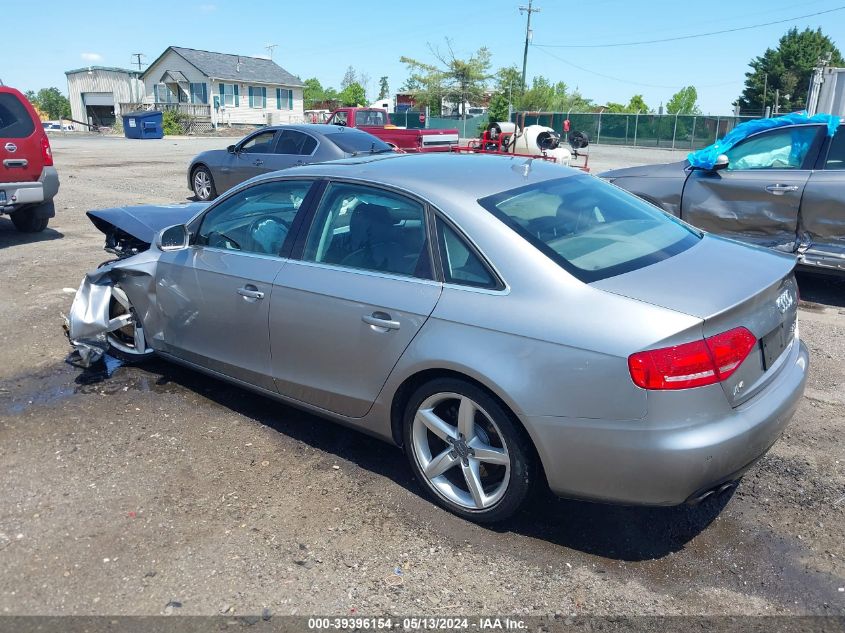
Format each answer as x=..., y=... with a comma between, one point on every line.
x=46, y=152
x=695, y=364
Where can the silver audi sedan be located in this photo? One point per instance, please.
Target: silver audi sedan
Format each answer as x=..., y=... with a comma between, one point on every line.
x=504, y=320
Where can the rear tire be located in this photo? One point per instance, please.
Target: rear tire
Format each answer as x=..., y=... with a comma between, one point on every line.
x=202, y=183
x=466, y=450
x=26, y=221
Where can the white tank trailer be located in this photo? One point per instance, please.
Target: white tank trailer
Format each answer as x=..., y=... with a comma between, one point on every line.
x=535, y=140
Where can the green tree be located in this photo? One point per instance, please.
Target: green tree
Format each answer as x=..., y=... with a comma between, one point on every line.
x=53, y=103
x=684, y=101
x=458, y=80
x=786, y=69
x=638, y=104
x=313, y=93
x=31, y=97
x=353, y=95
x=383, y=88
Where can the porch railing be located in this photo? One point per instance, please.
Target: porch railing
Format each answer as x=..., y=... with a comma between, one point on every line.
x=195, y=110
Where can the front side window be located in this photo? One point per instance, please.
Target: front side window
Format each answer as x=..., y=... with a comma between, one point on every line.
x=589, y=227
x=836, y=154
x=370, y=229
x=255, y=220
x=259, y=144
x=782, y=148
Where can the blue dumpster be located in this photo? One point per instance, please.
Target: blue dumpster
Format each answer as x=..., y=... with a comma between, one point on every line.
x=145, y=124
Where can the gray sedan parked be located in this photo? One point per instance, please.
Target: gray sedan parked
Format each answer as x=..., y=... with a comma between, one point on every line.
x=782, y=188
x=272, y=148
x=505, y=320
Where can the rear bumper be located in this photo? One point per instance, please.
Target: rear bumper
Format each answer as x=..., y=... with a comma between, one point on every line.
x=649, y=462
x=19, y=194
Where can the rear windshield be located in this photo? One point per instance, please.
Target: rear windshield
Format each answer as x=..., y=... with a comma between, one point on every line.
x=15, y=121
x=358, y=142
x=589, y=227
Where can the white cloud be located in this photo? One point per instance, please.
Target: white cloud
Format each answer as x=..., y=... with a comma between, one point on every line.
x=91, y=57
x=208, y=8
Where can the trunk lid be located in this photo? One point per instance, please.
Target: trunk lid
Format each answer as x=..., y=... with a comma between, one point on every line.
x=727, y=285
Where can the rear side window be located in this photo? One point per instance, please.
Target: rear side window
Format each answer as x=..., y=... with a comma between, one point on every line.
x=589, y=227
x=15, y=121
x=460, y=263
x=354, y=142
x=836, y=155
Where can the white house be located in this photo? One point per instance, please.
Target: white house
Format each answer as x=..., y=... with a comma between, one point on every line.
x=231, y=89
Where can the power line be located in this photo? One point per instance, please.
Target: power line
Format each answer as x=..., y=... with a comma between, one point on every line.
x=627, y=81
x=689, y=37
x=138, y=61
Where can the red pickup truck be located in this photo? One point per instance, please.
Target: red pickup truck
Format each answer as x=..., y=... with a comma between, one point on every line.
x=377, y=122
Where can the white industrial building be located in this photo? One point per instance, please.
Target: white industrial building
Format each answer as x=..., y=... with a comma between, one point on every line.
x=96, y=92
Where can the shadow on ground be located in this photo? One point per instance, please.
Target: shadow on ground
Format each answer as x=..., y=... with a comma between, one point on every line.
x=10, y=236
x=824, y=289
x=623, y=533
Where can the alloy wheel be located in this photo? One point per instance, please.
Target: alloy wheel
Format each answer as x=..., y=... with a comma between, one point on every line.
x=202, y=184
x=125, y=332
x=460, y=451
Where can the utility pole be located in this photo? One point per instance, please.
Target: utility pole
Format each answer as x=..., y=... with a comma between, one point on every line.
x=529, y=10
x=270, y=48
x=138, y=61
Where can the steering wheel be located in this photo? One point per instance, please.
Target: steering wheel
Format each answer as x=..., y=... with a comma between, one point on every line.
x=269, y=232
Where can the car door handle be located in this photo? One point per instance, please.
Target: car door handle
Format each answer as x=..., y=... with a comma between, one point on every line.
x=380, y=319
x=9, y=163
x=258, y=162
x=779, y=190
x=250, y=292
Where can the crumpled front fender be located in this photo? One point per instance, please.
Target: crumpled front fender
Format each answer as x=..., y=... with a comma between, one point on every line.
x=88, y=322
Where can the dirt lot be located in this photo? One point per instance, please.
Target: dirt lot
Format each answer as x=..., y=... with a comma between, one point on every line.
x=125, y=492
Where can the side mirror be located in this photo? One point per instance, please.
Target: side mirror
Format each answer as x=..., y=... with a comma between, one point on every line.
x=231, y=149
x=721, y=162
x=173, y=238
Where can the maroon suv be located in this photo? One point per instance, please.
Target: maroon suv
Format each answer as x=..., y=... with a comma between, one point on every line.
x=28, y=180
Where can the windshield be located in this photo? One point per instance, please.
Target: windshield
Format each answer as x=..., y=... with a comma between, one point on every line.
x=358, y=142
x=589, y=227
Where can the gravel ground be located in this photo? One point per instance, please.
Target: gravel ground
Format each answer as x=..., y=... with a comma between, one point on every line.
x=129, y=490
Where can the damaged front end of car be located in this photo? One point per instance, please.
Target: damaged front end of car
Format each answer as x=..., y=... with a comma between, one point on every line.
x=113, y=309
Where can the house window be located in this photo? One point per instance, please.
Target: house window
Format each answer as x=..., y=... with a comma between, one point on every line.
x=163, y=94
x=229, y=95
x=199, y=93
x=257, y=97
x=284, y=99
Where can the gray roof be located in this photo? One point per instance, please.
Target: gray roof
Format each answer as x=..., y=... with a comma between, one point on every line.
x=110, y=69
x=225, y=66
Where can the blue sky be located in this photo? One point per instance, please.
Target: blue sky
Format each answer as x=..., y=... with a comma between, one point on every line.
x=320, y=39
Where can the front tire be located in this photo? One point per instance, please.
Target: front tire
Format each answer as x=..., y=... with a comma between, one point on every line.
x=128, y=342
x=467, y=451
x=203, y=184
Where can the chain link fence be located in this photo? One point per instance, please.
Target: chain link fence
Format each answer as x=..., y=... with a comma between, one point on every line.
x=641, y=130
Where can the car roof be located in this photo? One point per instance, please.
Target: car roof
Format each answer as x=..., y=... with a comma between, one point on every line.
x=441, y=177
x=314, y=128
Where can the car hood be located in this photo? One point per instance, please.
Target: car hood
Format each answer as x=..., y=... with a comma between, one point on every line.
x=710, y=278
x=662, y=170
x=143, y=222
